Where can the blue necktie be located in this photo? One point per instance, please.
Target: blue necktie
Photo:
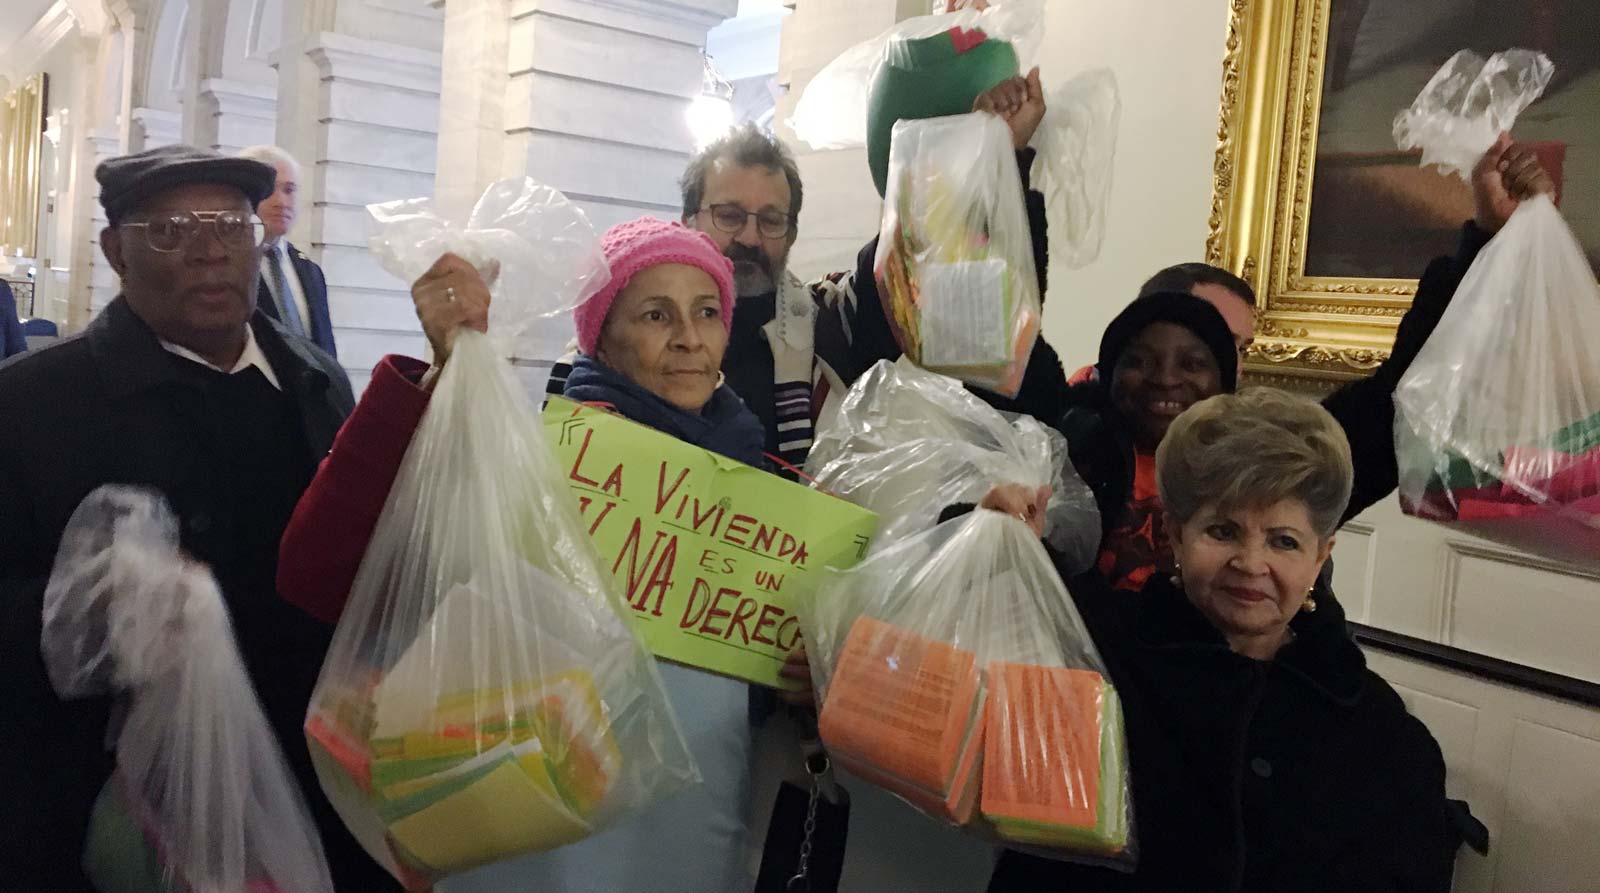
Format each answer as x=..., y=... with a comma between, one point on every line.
x=288, y=311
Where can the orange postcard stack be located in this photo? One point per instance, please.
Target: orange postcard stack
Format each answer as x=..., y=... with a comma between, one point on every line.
x=906, y=713
x=1053, y=762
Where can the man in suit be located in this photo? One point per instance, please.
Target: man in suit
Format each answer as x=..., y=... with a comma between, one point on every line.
x=292, y=290
x=180, y=386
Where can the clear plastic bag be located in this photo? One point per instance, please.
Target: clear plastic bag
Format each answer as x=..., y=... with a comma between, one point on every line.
x=485, y=694
x=1498, y=419
x=536, y=249
x=201, y=797
x=1468, y=103
x=955, y=257
x=907, y=443
x=953, y=670
x=1074, y=149
x=832, y=110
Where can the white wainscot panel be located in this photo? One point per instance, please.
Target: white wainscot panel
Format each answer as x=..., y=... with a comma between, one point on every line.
x=1550, y=839
x=1522, y=610
x=1354, y=555
x=1528, y=765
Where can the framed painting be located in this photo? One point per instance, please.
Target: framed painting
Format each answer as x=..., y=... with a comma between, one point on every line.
x=1313, y=204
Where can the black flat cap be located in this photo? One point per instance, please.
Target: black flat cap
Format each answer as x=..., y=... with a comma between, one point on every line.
x=127, y=180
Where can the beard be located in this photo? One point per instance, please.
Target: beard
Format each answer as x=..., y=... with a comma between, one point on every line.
x=754, y=272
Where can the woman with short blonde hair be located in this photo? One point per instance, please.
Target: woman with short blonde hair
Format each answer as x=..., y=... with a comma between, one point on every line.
x=1264, y=755
x=1260, y=444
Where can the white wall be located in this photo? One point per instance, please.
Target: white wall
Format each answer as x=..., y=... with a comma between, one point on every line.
x=1167, y=56
x=253, y=32
x=411, y=23
x=168, y=31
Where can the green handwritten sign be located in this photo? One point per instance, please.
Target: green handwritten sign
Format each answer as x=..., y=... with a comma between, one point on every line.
x=710, y=553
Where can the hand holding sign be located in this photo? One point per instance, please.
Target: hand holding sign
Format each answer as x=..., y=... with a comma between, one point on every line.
x=710, y=554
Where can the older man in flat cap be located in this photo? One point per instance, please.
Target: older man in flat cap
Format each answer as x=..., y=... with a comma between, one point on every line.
x=181, y=386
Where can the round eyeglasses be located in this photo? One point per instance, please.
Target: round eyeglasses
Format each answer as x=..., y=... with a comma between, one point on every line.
x=176, y=230
x=730, y=218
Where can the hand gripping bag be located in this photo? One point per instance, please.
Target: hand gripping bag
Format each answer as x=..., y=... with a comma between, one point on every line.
x=1497, y=422
x=485, y=694
x=201, y=798
x=908, y=443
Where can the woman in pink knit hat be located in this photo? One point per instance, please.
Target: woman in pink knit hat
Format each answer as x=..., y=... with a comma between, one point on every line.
x=651, y=346
x=651, y=342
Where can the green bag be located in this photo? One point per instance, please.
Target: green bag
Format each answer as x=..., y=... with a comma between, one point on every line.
x=117, y=856
x=930, y=78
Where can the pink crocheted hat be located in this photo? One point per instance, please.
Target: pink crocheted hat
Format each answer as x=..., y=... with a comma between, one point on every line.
x=633, y=246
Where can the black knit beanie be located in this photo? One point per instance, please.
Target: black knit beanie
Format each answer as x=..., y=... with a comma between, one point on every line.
x=1177, y=308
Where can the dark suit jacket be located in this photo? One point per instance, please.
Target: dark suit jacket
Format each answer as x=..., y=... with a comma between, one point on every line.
x=319, y=327
x=107, y=406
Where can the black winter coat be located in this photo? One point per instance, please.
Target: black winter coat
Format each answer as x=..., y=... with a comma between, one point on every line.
x=1102, y=448
x=112, y=406
x=1303, y=773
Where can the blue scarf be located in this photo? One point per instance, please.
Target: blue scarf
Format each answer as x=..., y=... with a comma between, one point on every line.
x=722, y=426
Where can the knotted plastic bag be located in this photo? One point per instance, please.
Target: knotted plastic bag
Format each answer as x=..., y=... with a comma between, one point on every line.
x=485, y=694
x=1468, y=103
x=201, y=798
x=1498, y=419
x=536, y=249
x=955, y=261
x=908, y=443
x=953, y=671
x=1075, y=147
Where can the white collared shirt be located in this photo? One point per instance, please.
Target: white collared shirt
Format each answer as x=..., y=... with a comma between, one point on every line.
x=279, y=254
x=250, y=356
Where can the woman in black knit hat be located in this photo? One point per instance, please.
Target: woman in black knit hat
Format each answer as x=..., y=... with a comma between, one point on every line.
x=1162, y=354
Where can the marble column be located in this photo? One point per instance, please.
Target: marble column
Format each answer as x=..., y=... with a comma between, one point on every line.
x=589, y=97
x=112, y=94
x=153, y=128
x=101, y=282
x=235, y=114
x=373, y=139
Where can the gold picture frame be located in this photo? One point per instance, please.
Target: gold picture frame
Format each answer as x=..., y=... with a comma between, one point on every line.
x=1311, y=331
x=22, y=113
